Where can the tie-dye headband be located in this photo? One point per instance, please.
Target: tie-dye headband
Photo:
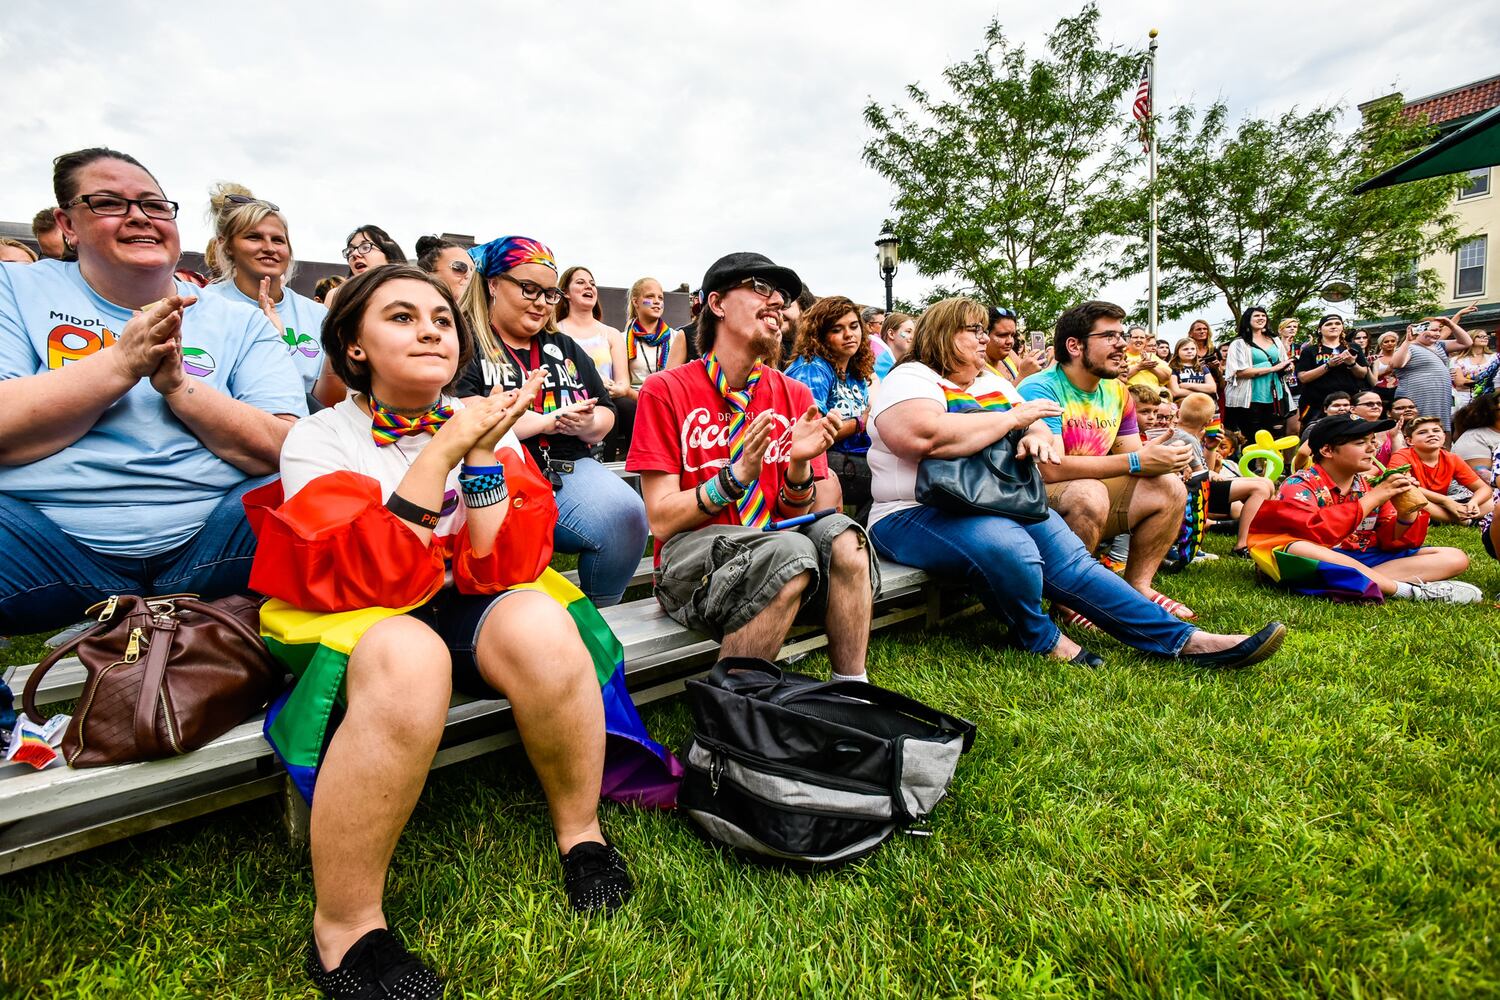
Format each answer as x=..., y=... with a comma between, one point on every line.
x=501, y=255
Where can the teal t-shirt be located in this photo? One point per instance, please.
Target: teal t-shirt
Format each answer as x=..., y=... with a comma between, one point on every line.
x=138, y=483
x=1090, y=421
x=1265, y=388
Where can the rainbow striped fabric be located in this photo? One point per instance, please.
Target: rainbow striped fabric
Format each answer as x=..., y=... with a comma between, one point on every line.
x=660, y=341
x=386, y=425
x=316, y=646
x=752, y=507
x=959, y=401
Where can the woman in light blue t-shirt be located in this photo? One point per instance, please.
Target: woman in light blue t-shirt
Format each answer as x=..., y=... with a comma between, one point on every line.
x=254, y=249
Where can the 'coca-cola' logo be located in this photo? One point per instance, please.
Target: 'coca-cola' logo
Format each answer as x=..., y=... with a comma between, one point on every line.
x=705, y=435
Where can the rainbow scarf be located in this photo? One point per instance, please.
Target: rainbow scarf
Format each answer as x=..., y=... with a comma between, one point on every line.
x=752, y=507
x=315, y=647
x=961, y=402
x=386, y=425
x=660, y=341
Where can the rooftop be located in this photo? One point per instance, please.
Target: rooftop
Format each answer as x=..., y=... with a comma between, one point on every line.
x=1460, y=102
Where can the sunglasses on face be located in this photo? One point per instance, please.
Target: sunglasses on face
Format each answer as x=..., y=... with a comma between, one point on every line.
x=459, y=267
x=531, y=291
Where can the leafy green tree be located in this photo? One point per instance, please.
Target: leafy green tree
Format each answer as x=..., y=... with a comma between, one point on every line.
x=1003, y=187
x=1265, y=214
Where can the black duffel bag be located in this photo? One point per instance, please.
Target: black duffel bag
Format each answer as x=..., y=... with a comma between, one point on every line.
x=792, y=771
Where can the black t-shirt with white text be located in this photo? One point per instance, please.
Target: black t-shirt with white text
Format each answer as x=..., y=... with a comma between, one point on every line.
x=571, y=378
x=1339, y=378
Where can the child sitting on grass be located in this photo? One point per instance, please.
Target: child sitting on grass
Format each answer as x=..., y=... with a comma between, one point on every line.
x=1195, y=415
x=1435, y=469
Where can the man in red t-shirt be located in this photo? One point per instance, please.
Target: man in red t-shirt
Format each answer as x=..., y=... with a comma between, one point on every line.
x=728, y=445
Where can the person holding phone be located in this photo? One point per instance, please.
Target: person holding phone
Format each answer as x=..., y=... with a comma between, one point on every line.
x=1327, y=365
x=598, y=515
x=1421, y=363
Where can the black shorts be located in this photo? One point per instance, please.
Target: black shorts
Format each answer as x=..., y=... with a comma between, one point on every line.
x=1255, y=417
x=1218, y=499
x=457, y=619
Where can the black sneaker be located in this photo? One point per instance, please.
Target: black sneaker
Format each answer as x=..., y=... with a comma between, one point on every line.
x=377, y=965
x=595, y=877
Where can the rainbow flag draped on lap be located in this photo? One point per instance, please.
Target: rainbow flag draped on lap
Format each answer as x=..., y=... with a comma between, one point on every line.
x=316, y=645
x=1278, y=525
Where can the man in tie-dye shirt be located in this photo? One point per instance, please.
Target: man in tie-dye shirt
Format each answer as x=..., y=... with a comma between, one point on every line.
x=1110, y=480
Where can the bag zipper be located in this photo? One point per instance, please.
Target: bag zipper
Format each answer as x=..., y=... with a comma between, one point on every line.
x=788, y=771
x=796, y=810
x=166, y=716
x=83, y=711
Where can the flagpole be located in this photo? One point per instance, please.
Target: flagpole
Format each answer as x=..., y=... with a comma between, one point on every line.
x=1151, y=177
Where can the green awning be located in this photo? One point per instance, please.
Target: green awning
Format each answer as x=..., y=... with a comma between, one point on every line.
x=1475, y=145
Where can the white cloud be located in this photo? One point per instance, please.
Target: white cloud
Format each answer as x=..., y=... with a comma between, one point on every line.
x=638, y=138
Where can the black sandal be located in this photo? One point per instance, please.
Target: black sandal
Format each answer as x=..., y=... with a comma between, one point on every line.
x=377, y=965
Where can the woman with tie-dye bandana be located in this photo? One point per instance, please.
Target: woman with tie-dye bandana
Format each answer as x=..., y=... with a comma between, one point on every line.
x=424, y=505
x=598, y=515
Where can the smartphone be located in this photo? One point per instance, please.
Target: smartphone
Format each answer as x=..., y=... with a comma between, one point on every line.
x=1038, y=342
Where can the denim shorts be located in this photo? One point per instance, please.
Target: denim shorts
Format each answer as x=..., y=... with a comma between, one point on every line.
x=717, y=578
x=1375, y=557
x=457, y=619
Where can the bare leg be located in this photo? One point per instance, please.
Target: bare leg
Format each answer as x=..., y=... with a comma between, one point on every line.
x=399, y=684
x=849, y=604
x=1156, y=509
x=1253, y=492
x=554, y=696
x=761, y=637
x=1084, y=505
x=1429, y=564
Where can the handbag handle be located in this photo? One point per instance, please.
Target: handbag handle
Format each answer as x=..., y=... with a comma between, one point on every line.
x=755, y=674
x=28, y=695
x=158, y=651
x=232, y=623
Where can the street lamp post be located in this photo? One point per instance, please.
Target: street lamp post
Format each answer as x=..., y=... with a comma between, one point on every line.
x=887, y=252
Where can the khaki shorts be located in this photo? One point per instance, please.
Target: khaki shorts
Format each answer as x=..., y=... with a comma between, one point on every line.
x=1120, y=488
x=717, y=578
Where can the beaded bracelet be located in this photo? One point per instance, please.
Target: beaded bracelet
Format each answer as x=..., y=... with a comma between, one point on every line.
x=787, y=501
x=733, y=480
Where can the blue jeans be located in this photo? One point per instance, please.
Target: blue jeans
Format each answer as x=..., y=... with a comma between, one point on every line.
x=604, y=520
x=47, y=579
x=1015, y=565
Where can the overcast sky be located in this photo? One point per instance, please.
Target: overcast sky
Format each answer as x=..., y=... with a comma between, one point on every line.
x=636, y=138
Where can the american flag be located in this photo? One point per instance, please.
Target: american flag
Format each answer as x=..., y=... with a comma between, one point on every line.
x=1141, y=109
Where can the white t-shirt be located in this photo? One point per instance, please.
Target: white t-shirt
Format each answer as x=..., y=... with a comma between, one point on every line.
x=1477, y=445
x=893, y=480
x=303, y=320
x=339, y=438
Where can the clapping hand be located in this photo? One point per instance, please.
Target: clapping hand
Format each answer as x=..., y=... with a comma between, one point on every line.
x=813, y=434
x=575, y=422
x=150, y=337
x=511, y=405
x=757, y=440
x=268, y=307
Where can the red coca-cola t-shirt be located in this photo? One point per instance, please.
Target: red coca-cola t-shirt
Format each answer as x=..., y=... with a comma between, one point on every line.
x=682, y=424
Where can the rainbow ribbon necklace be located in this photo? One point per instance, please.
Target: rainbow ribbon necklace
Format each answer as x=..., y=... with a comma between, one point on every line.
x=387, y=426
x=752, y=507
x=661, y=340
x=961, y=402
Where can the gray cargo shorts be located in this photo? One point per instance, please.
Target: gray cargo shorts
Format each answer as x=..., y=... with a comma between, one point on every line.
x=717, y=578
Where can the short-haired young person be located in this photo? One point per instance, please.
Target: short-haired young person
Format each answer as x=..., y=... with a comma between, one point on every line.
x=1109, y=481
x=1327, y=365
x=1330, y=514
x=727, y=445
x=1436, y=469
x=49, y=236
x=1194, y=417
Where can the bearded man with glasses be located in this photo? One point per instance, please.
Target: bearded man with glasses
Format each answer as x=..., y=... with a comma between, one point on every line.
x=728, y=447
x=1110, y=480
x=133, y=413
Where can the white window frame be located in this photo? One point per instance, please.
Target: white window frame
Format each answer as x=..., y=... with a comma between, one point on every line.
x=1482, y=242
x=1475, y=175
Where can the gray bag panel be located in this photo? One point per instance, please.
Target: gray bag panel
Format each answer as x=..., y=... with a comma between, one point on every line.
x=927, y=768
x=789, y=792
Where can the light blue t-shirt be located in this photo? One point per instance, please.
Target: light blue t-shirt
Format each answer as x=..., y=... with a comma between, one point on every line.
x=303, y=319
x=849, y=396
x=138, y=483
x=884, y=364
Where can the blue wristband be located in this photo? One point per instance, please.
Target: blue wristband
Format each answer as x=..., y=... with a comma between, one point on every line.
x=1135, y=462
x=481, y=470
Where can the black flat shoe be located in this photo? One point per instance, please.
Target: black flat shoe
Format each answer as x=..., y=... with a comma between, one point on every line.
x=1252, y=650
x=1240, y=552
x=377, y=965
x=595, y=877
x=1086, y=659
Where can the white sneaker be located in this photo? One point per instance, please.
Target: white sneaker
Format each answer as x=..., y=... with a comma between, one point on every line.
x=1205, y=557
x=1449, y=591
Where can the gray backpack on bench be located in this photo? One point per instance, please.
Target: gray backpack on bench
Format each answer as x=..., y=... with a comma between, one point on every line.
x=791, y=771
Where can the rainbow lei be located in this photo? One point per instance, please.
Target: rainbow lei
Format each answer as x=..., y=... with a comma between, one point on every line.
x=752, y=508
x=386, y=425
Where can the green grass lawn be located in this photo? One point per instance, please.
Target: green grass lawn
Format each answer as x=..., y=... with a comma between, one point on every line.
x=1324, y=824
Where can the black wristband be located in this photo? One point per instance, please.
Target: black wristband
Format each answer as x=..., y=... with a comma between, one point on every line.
x=408, y=511
x=801, y=487
x=698, y=496
x=730, y=486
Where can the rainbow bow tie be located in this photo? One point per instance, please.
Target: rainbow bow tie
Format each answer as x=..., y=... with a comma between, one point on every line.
x=387, y=426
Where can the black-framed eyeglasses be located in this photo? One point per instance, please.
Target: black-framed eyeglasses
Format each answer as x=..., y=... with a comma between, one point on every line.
x=531, y=291
x=114, y=205
x=764, y=288
x=458, y=266
x=245, y=199
x=359, y=249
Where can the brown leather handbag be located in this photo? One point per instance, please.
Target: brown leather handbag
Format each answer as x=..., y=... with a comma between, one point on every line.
x=165, y=676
